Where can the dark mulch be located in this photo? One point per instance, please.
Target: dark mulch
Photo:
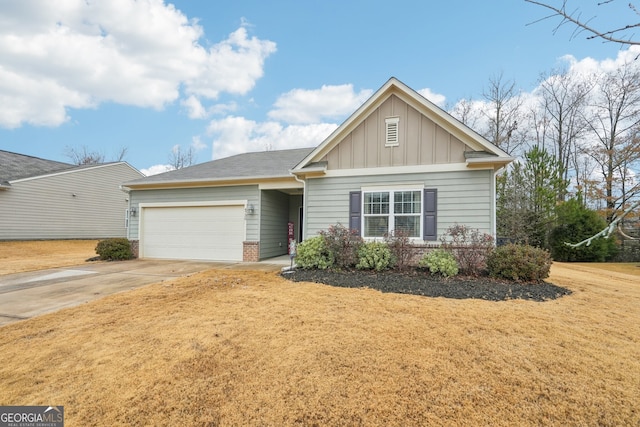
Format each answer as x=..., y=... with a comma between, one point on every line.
x=425, y=284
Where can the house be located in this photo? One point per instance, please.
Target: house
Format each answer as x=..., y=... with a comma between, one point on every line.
x=398, y=162
x=45, y=199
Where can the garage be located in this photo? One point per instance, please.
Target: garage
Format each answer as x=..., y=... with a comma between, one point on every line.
x=192, y=232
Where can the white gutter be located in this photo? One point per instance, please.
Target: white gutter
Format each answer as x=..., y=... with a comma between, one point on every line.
x=304, y=203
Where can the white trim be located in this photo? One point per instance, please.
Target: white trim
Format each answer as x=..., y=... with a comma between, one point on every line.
x=189, y=204
x=395, y=187
x=399, y=170
x=281, y=185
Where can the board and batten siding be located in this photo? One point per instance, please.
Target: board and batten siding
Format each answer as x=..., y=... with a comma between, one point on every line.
x=274, y=215
x=464, y=197
x=82, y=203
x=250, y=193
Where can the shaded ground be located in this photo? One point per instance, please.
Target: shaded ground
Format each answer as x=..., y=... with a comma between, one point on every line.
x=419, y=283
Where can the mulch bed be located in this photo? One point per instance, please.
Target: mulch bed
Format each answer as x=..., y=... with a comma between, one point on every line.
x=425, y=284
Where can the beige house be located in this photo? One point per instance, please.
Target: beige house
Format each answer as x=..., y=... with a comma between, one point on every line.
x=45, y=199
x=398, y=163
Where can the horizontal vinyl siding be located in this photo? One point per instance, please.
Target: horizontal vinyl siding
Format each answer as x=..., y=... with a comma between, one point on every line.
x=464, y=197
x=274, y=216
x=208, y=194
x=46, y=208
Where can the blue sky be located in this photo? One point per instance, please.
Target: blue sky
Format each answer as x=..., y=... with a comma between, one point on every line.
x=230, y=77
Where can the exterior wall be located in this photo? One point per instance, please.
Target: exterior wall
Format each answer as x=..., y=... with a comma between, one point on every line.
x=464, y=197
x=420, y=141
x=274, y=215
x=81, y=204
x=205, y=194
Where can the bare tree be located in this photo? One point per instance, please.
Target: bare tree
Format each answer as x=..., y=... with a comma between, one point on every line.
x=623, y=35
x=179, y=158
x=564, y=100
x=83, y=156
x=614, y=122
x=503, y=113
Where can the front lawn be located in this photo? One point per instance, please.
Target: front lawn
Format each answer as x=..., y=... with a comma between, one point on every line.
x=250, y=348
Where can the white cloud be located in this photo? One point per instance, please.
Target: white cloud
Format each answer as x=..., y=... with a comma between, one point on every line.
x=301, y=106
x=194, y=107
x=78, y=54
x=156, y=169
x=197, y=144
x=235, y=135
x=436, y=98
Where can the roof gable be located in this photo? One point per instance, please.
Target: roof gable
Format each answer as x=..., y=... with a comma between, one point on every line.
x=360, y=141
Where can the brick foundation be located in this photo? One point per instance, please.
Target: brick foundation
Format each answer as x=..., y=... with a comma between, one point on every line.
x=135, y=248
x=250, y=251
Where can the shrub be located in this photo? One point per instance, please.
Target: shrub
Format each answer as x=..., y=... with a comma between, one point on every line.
x=374, y=256
x=401, y=248
x=576, y=224
x=522, y=263
x=313, y=253
x=342, y=243
x=469, y=246
x=114, y=249
x=440, y=261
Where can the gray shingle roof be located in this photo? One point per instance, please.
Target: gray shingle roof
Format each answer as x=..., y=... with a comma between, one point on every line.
x=15, y=166
x=264, y=164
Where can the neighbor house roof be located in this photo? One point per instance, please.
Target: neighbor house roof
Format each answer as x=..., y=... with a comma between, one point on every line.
x=485, y=153
x=14, y=166
x=247, y=166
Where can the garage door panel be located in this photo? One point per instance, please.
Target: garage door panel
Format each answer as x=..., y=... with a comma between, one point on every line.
x=194, y=232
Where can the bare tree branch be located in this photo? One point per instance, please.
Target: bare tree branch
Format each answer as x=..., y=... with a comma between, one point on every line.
x=574, y=18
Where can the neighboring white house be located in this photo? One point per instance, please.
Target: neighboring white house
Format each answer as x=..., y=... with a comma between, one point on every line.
x=45, y=199
x=399, y=162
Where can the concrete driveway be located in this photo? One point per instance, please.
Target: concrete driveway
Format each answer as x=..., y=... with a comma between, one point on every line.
x=25, y=295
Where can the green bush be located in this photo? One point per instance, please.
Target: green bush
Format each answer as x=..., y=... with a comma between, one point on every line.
x=116, y=249
x=440, y=261
x=576, y=224
x=522, y=263
x=314, y=253
x=374, y=256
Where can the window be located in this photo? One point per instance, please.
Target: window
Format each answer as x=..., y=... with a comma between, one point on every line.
x=377, y=212
x=391, y=131
x=387, y=211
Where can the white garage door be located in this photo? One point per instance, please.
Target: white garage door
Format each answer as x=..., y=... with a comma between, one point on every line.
x=192, y=232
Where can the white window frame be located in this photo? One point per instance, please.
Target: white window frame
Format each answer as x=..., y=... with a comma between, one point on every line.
x=391, y=214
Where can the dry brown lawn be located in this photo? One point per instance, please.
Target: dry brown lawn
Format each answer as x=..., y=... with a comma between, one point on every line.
x=250, y=348
x=16, y=257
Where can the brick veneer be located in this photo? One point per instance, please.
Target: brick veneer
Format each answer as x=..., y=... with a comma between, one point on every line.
x=135, y=247
x=250, y=251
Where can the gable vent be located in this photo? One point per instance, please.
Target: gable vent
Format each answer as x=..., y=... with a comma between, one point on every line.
x=391, y=131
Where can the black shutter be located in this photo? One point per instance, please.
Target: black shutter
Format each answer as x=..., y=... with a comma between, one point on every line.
x=430, y=214
x=355, y=198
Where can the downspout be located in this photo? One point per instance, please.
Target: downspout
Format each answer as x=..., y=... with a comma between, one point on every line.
x=304, y=203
